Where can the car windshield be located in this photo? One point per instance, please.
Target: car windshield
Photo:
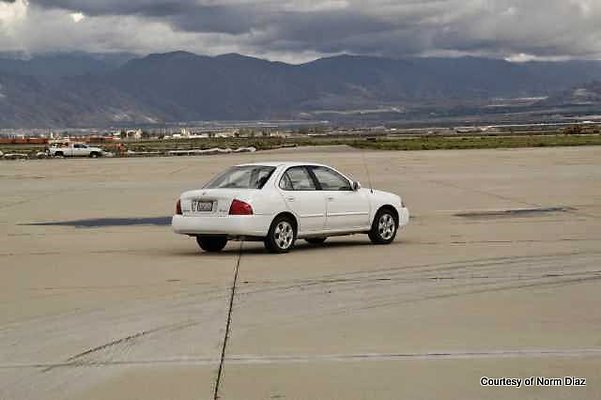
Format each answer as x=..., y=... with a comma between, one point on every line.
x=242, y=177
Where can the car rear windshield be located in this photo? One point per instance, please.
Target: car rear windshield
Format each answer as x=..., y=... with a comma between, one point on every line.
x=242, y=177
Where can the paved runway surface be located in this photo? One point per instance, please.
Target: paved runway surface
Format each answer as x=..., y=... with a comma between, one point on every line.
x=498, y=274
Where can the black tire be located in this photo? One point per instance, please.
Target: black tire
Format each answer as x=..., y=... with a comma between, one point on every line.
x=59, y=154
x=281, y=235
x=317, y=240
x=384, y=227
x=212, y=244
x=94, y=155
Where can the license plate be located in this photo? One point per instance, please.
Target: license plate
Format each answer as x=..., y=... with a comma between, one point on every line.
x=202, y=206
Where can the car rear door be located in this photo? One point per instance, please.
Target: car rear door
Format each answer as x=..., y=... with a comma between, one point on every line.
x=346, y=209
x=304, y=199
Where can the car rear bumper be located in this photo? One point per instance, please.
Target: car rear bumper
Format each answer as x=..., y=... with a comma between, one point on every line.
x=231, y=225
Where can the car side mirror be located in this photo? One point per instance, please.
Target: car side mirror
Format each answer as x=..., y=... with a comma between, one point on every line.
x=356, y=186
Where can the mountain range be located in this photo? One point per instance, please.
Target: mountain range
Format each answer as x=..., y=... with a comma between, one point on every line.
x=84, y=90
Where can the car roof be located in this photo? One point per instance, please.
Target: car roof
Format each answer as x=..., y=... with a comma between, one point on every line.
x=281, y=164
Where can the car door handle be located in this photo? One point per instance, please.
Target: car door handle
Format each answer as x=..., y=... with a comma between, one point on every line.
x=291, y=198
x=330, y=199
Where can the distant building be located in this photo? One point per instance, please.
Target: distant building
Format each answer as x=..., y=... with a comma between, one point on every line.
x=468, y=129
x=133, y=134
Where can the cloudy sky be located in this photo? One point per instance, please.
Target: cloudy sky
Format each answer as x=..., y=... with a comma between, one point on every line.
x=301, y=30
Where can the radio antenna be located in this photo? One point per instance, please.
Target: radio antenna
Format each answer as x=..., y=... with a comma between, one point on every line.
x=371, y=188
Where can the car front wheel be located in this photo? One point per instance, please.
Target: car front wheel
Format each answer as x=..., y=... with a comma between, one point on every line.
x=281, y=235
x=384, y=228
x=211, y=244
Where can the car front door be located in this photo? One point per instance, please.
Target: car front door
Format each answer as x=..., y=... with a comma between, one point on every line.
x=78, y=150
x=346, y=209
x=303, y=199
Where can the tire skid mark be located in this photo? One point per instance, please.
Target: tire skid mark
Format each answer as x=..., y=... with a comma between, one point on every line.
x=451, y=291
x=408, y=285
x=184, y=299
x=535, y=284
x=127, y=339
x=168, y=283
x=405, y=273
x=436, y=278
x=183, y=360
x=141, y=343
x=495, y=261
x=368, y=280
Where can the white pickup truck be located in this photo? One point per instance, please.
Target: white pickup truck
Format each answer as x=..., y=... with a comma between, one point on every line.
x=75, y=150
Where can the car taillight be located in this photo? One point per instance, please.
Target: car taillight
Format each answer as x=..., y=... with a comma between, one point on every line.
x=178, y=207
x=239, y=207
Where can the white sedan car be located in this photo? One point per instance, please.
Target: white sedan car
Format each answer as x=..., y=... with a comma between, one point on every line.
x=279, y=202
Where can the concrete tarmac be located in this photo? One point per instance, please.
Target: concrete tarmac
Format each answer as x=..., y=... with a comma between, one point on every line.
x=497, y=275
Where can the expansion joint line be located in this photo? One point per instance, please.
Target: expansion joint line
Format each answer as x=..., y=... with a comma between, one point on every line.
x=227, y=325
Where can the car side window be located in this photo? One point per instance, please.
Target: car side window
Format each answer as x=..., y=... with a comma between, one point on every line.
x=331, y=180
x=297, y=178
x=285, y=182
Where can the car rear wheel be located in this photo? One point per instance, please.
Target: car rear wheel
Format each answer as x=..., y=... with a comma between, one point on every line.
x=281, y=235
x=211, y=244
x=94, y=155
x=318, y=240
x=384, y=228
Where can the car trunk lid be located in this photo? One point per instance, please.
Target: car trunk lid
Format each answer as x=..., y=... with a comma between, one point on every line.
x=210, y=202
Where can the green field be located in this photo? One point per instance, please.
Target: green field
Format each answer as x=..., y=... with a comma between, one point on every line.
x=479, y=142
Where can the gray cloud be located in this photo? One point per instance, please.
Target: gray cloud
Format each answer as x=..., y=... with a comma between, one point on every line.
x=185, y=15
x=299, y=29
